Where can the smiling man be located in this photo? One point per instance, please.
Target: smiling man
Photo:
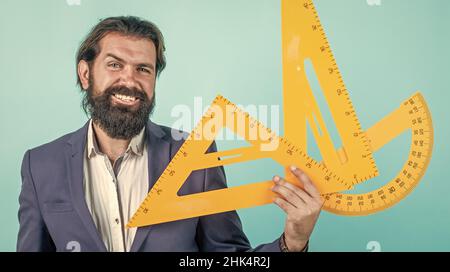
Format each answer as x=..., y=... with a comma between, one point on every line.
x=82, y=188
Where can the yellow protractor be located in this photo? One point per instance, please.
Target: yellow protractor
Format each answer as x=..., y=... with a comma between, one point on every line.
x=304, y=38
x=413, y=116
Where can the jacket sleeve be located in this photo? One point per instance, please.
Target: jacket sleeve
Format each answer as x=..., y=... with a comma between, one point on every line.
x=223, y=232
x=33, y=235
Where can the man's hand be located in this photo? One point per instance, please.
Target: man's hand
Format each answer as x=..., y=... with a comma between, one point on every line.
x=302, y=207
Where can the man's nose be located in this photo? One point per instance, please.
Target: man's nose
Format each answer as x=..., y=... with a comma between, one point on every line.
x=127, y=77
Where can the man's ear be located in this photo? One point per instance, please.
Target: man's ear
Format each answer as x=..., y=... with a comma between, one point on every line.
x=83, y=74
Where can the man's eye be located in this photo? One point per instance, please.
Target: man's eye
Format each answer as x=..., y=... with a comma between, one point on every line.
x=141, y=69
x=114, y=65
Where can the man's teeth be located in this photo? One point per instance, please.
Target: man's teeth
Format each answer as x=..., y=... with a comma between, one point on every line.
x=125, y=97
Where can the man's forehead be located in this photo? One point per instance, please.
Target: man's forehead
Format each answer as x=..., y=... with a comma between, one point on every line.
x=129, y=48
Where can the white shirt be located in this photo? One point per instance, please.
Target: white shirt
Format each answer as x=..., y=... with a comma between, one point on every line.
x=113, y=193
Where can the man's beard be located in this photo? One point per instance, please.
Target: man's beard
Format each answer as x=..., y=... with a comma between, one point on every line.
x=118, y=121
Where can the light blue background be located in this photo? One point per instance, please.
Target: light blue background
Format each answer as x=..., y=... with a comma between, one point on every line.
x=385, y=54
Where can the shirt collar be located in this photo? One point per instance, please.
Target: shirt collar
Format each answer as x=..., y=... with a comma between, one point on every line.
x=136, y=145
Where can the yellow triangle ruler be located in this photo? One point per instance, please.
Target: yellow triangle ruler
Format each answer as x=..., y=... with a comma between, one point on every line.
x=303, y=38
x=163, y=204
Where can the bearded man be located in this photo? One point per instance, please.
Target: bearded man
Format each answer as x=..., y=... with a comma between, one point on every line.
x=80, y=190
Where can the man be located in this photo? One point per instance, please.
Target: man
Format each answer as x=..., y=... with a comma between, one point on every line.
x=80, y=190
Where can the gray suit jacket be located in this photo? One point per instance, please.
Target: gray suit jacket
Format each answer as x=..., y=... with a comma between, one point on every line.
x=53, y=214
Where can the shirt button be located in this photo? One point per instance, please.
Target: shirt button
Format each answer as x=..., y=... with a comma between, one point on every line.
x=117, y=221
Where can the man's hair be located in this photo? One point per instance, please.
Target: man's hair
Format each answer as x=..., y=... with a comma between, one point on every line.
x=126, y=25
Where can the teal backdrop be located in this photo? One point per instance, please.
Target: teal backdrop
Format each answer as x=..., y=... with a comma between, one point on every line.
x=385, y=52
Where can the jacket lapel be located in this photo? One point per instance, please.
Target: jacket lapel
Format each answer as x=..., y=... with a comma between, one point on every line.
x=74, y=159
x=158, y=150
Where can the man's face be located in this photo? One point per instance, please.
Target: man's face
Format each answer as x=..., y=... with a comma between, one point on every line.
x=121, y=85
